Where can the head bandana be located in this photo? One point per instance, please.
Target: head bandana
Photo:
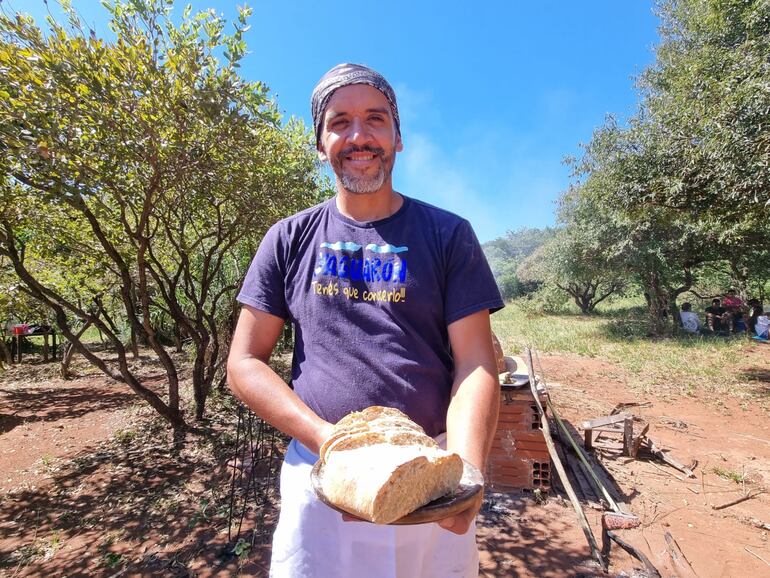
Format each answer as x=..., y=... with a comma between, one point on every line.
x=344, y=75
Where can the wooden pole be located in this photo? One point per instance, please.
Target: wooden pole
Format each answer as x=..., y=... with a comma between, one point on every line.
x=595, y=552
x=658, y=453
x=613, y=504
x=682, y=566
x=651, y=569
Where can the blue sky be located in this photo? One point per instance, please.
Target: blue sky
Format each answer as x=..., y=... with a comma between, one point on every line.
x=492, y=95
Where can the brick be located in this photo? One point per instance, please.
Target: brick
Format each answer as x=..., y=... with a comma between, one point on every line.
x=519, y=456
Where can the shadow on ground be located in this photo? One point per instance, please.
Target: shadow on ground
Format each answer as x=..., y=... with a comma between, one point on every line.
x=757, y=374
x=518, y=538
x=131, y=508
x=35, y=404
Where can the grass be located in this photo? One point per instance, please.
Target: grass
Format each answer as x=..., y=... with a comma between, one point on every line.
x=729, y=475
x=619, y=335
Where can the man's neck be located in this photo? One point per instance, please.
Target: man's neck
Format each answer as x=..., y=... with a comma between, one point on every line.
x=368, y=207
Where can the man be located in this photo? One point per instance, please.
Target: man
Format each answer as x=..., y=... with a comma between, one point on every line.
x=390, y=300
x=690, y=321
x=732, y=301
x=735, y=309
x=762, y=325
x=715, y=315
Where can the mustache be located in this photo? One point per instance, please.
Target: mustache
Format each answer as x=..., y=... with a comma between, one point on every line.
x=362, y=149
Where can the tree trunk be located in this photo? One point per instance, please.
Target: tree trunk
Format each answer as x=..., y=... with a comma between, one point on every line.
x=741, y=279
x=657, y=301
x=5, y=354
x=177, y=338
x=134, y=343
x=68, y=351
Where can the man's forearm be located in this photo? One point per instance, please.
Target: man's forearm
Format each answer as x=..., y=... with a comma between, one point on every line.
x=472, y=416
x=262, y=390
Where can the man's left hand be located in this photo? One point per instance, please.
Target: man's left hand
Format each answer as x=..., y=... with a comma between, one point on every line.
x=460, y=523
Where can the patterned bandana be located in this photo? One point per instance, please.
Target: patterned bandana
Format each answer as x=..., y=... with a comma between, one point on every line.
x=343, y=75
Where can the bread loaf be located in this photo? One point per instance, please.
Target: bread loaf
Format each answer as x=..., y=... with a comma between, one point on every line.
x=380, y=466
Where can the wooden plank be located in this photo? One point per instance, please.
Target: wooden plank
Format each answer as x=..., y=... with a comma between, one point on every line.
x=638, y=440
x=581, y=454
x=595, y=552
x=589, y=496
x=628, y=436
x=605, y=420
x=652, y=571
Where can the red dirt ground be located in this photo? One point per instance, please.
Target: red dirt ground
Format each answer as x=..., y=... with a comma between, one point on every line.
x=100, y=508
x=727, y=434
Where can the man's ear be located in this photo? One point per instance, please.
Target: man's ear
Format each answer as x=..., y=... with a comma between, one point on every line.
x=321, y=153
x=399, y=143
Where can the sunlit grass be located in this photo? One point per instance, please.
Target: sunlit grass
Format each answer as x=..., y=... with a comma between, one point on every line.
x=619, y=335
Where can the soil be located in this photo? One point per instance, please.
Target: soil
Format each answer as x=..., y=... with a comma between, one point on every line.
x=93, y=485
x=727, y=437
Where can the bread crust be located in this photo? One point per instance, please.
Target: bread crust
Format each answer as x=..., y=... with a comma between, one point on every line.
x=380, y=465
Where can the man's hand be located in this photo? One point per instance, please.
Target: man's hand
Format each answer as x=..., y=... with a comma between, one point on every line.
x=460, y=523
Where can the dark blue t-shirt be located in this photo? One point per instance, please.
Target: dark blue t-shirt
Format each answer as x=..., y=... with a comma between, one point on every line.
x=370, y=303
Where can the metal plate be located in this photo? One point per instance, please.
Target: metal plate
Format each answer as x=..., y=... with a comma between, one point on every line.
x=448, y=505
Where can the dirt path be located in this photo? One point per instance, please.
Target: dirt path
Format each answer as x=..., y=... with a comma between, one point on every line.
x=45, y=419
x=74, y=504
x=728, y=437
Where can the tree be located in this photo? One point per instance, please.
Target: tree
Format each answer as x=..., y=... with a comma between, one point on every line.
x=687, y=179
x=709, y=93
x=660, y=246
x=141, y=173
x=506, y=253
x=581, y=258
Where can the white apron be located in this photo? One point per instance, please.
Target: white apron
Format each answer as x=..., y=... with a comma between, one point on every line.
x=312, y=541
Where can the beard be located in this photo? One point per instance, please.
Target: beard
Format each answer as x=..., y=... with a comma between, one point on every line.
x=362, y=184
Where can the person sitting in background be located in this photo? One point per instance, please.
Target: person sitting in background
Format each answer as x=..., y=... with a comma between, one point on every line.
x=751, y=322
x=762, y=326
x=736, y=308
x=732, y=301
x=690, y=321
x=714, y=315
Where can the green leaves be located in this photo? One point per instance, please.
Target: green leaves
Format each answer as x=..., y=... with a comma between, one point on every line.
x=142, y=172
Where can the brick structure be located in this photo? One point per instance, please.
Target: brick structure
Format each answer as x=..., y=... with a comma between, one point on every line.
x=519, y=458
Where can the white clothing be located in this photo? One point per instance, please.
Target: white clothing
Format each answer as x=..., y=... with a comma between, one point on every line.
x=312, y=541
x=763, y=324
x=690, y=321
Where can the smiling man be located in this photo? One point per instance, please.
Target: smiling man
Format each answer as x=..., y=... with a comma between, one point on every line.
x=390, y=301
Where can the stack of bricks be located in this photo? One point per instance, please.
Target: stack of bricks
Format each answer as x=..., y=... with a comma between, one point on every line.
x=519, y=458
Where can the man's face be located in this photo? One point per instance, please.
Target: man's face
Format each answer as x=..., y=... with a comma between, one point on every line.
x=359, y=138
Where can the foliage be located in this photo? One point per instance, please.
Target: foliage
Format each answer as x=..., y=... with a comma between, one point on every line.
x=581, y=258
x=686, y=181
x=683, y=362
x=139, y=176
x=506, y=253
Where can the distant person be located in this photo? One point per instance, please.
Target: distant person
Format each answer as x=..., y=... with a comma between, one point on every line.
x=732, y=301
x=762, y=326
x=751, y=322
x=736, y=308
x=715, y=314
x=690, y=321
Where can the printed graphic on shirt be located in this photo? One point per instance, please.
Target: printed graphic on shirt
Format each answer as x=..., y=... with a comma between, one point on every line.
x=371, y=273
